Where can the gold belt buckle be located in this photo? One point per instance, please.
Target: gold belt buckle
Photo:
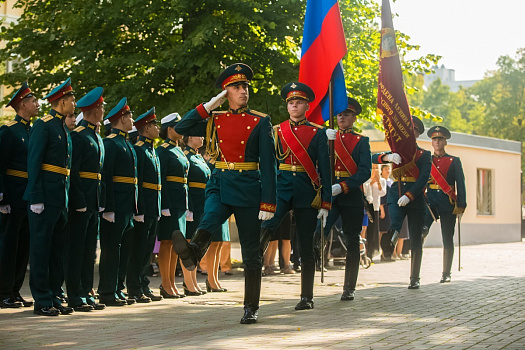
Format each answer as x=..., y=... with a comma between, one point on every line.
x=231, y=166
x=294, y=167
x=135, y=181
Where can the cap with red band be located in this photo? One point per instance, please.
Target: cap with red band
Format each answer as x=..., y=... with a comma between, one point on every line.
x=62, y=90
x=21, y=93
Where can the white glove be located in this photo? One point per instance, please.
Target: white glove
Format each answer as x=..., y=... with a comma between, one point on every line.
x=5, y=209
x=109, y=216
x=404, y=200
x=216, y=101
x=265, y=215
x=37, y=208
x=100, y=209
x=369, y=199
x=336, y=189
x=138, y=218
x=392, y=158
x=1, y=196
x=165, y=212
x=189, y=215
x=82, y=210
x=323, y=215
x=330, y=134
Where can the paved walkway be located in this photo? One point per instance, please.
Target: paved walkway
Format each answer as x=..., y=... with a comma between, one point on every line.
x=483, y=308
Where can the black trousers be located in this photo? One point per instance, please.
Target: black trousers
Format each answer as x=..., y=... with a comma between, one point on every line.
x=81, y=255
x=14, y=252
x=111, y=253
x=142, y=244
x=44, y=255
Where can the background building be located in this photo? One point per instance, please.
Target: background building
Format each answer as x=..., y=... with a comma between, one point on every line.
x=448, y=77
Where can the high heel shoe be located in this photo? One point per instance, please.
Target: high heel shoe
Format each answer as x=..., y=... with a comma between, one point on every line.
x=188, y=292
x=210, y=289
x=167, y=295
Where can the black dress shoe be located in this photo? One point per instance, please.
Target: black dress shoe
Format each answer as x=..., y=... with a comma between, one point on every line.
x=305, y=304
x=445, y=279
x=61, y=298
x=414, y=283
x=187, y=292
x=23, y=301
x=250, y=315
x=98, y=306
x=153, y=297
x=114, y=302
x=210, y=289
x=348, y=294
x=47, y=311
x=142, y=299
x=65, y=310
x=83, y=308
x=166, y=294
x=10, y=303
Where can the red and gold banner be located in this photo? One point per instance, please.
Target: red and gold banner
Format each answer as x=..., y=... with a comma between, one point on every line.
x=392, y=104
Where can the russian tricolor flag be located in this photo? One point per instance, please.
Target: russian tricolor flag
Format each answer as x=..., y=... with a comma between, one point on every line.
x=324, y=46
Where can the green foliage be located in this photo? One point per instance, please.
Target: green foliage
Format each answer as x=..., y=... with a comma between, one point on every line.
x=168, y=53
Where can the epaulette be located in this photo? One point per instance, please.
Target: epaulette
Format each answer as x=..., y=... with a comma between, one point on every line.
x=259, y=114
x=79, y=128
x=110, y=136
x=218, y=112
x=47, y=118
x=165, y=145
x=11, y=123
x=186, y=152
x=317, y=125
x=139, y=143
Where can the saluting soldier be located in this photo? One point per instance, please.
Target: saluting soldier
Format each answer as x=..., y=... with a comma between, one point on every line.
x=353, y=164
x=14, y=225
x=48, y=167
x=148, y=204
x=85, y=202
x=411, y=203
x=447, y=193
x=243, y=181
x=303, y=181
x=119, y=181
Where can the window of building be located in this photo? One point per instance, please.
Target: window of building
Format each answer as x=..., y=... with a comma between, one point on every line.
x=484, y=192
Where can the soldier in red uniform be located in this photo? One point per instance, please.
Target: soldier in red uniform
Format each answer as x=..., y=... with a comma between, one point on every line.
x=243, y=182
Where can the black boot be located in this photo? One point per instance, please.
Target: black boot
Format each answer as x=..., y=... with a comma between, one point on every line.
x=307, y=287
x=386, y=244
x=351, y=273
x=424, y=234
x=393, y=240
x=191, y=252
x=415, y=268
x=448, y=255
x=252, y=293
x=318, y=251
x=266, y=237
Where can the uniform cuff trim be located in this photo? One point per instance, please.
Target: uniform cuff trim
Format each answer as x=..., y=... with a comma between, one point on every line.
x=326, y=205
x=344, y=187
x=268, y=207
x=410, y=196
x=202, y=111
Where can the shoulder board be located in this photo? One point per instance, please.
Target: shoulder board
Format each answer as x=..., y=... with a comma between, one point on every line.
x=165, y=145
x=212, y=161
x=110, y=136
x=316, y=125
x=186, y=152
x=259, y=114
x=79, y=128
x=139, y=143
x=218, y=112
x=11, y=123
x=47, y=118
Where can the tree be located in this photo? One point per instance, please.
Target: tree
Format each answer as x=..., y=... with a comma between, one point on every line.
x=168, y=53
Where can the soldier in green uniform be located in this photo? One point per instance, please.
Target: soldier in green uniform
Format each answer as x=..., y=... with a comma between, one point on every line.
x=119, y=181
x=145, y=221
x=406, y=199
x=446, y=192
x=243, y=182
x=14, y=225
x=353, y=165
x=85, y=195
x=303, y=181
x=48, y=167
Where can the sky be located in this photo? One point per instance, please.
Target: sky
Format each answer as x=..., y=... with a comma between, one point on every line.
x=469, y=34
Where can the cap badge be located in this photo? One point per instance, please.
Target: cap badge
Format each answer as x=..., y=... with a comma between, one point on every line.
x=238, y=68
x=293, y=86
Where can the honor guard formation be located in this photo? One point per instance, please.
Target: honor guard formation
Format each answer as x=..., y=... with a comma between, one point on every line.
x=63, y=187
